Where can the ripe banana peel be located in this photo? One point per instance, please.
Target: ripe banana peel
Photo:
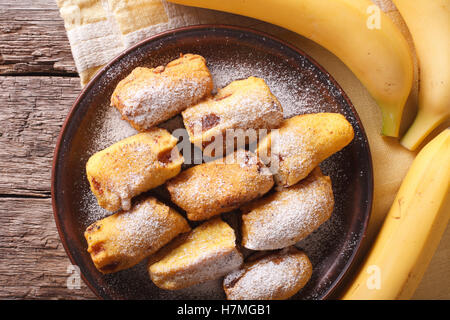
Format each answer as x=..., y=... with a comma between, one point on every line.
x=412, y=229
x=379, y=57
x=429, y=24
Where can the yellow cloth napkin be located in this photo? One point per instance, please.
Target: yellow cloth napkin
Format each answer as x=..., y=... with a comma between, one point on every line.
x=100, y=29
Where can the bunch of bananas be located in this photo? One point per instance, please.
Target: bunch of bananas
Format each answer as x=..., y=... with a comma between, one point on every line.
x=380, y=57
x=378, y=54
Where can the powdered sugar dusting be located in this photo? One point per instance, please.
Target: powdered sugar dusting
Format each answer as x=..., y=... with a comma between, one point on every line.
x=272, y=275
x=120, y=241
x=220, y=186
x=243, y=104
x=110, y=128
x=141, y=228
x=107, y=128
x=298, y=86
x=153, y=102
x=295, y=154
x=283, y=83
x=208, y=253
x=211, y=267
x=289, y=216
x=147, y=97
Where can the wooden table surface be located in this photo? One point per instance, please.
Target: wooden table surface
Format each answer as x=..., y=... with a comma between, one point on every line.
x=38, y=84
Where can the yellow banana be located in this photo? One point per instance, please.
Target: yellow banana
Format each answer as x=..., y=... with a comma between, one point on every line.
x=379, y=57
x=412, y=229
x=429, y=24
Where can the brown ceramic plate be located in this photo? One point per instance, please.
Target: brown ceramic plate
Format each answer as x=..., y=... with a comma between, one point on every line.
x=301, y=85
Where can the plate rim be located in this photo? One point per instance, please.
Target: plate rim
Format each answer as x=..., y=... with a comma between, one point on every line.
x=60, y=140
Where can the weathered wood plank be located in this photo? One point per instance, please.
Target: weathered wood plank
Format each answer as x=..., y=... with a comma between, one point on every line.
x=33, y=39
x=33, y=263
x=33, y=110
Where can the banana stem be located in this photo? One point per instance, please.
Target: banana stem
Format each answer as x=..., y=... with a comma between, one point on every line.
x=423, y=124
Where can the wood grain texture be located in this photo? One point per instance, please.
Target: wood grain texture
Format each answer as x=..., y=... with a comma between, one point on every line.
x=33, y=263
x=33, y=110
x=33, y=39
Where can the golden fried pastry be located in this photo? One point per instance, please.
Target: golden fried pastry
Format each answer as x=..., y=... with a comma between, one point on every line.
x=147, y=97
x=132, y=166
x=220, y=186
x=207, y=253
x=123, y=239
x=301, y=143
x=276, y=276
x=243, y=104
x=287, y=216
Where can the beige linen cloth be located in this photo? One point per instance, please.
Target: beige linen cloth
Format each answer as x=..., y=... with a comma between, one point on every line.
x=98, y=30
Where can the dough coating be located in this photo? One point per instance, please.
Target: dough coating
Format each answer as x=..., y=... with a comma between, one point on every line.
x=123, y=239
x=208, y=252
x=220, y=186
x=132, y=166
x=285, y=217
x=302, y=142
x=243, y=104
x=276, y=276
x=147, y=97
